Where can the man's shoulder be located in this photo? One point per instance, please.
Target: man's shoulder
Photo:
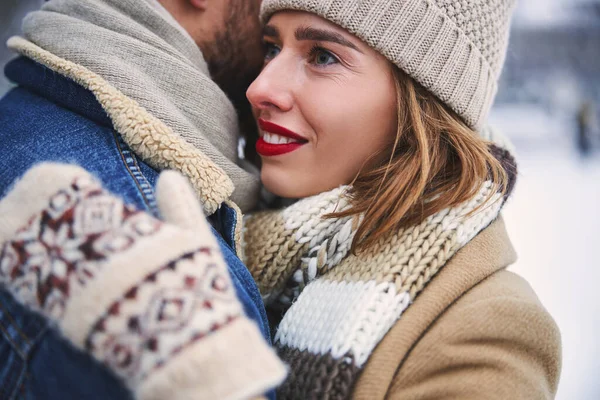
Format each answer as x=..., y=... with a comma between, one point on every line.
x=35, y=129
x=25, y=115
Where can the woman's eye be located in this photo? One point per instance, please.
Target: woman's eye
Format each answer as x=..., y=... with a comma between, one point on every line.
x=271, y=51
x=322, y=57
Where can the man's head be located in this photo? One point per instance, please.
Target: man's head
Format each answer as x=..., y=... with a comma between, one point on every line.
x=228, y=33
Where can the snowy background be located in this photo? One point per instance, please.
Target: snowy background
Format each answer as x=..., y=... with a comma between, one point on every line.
x=552, y=74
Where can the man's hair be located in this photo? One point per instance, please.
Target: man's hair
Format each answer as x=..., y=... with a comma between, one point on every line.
x=436, y=161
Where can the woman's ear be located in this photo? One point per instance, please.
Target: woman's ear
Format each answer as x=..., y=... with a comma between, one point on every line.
x=199, y=4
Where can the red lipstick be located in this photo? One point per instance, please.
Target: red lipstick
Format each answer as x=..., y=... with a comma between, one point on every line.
x=271, y=149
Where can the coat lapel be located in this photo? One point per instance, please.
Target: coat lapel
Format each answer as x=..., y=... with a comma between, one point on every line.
x=488, y=253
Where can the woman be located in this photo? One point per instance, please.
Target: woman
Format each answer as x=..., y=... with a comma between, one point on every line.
x=389, y=278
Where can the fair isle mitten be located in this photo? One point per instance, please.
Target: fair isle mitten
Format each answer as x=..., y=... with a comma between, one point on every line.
x=150, y=299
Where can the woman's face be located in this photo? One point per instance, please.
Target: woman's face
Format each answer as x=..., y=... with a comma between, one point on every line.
x=325, y=103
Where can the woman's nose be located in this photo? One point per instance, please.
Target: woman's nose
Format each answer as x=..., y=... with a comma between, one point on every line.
x=272, y=89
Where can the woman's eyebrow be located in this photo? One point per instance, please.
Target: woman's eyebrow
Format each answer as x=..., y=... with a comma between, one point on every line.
x=321, y=35
x=271, y=31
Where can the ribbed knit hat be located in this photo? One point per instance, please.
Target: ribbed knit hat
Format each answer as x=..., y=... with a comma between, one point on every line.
x=454, y=48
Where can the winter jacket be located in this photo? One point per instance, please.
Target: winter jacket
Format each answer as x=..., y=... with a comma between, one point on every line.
x=49, y=117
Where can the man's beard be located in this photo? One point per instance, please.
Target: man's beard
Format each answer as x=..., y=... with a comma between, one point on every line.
x=235, y=56
x=235, y=59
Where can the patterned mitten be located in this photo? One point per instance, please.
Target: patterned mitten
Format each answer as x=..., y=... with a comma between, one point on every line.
x=150, y=299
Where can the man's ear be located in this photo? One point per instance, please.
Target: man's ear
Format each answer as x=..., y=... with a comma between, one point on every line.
x=199, y=4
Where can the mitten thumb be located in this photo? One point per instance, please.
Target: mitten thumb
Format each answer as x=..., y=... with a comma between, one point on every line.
x=179, y=205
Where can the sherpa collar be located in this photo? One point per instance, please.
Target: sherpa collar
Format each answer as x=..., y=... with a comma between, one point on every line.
x=152, y=79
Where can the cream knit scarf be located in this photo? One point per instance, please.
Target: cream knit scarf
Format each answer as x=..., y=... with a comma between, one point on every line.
x=139, y=49
x=342, y=305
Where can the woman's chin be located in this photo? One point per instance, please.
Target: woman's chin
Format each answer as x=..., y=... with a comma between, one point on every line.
x=285, y=185
x=282, y=188
x=289, y=188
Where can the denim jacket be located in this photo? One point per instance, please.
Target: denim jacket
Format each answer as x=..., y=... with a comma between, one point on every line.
x=48, y=117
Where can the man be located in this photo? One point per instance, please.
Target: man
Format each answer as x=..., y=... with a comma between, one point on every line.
x=123, y=89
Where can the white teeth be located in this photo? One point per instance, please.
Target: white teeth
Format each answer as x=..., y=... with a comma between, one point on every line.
x=277, y=139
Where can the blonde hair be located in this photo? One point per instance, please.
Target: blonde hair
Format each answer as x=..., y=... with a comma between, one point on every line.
x=436, y=162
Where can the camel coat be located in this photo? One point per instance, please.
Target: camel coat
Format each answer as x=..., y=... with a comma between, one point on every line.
x=477, y=332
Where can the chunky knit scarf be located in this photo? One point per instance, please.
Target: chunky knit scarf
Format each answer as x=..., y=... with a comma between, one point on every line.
x=338, y=306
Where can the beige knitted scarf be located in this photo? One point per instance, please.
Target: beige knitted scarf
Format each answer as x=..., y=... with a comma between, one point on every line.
x=139, y=49
x=337, y=306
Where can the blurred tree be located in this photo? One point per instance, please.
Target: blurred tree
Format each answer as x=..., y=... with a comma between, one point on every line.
x=585, y=119
x=11, y=14
x=589, y=9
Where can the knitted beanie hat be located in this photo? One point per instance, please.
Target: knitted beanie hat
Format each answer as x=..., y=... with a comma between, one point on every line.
x=454, y=48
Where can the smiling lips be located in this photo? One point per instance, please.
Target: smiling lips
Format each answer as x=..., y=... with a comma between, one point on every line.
x=277, y=140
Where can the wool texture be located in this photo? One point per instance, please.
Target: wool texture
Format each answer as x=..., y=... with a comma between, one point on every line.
x=150, y=299
x=138, y=48
x=478, y=331
x=336, y=305
x=454, y=48
x=149, y=137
